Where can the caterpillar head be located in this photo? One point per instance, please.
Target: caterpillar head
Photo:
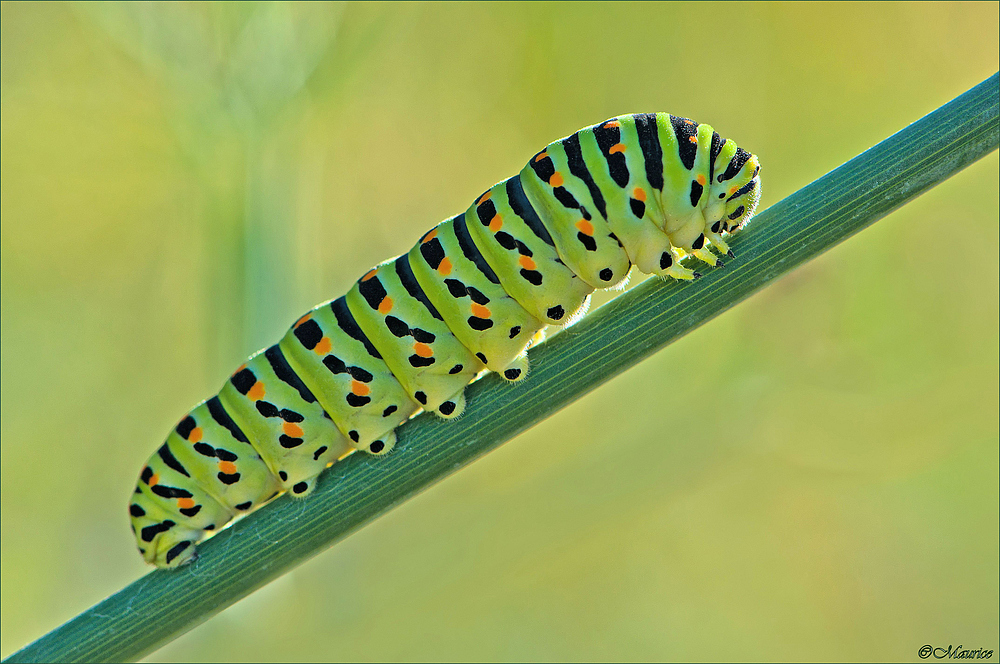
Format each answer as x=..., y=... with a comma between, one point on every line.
x=735, y=189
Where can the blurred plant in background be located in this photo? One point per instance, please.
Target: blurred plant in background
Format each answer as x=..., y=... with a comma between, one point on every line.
x=181, y=181
x=234, y=75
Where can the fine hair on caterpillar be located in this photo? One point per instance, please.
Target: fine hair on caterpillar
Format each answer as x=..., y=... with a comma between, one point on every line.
x=473, y=294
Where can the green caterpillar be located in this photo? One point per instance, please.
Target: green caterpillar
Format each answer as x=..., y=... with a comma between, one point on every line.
x=474, y=293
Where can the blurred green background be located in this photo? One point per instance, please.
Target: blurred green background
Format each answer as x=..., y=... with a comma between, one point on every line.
x=813, y=475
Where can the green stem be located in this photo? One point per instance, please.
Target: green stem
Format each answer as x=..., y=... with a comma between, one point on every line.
x=164, y=604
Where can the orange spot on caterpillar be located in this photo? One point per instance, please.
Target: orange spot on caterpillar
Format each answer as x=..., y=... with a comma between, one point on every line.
x=430, y=236
x=385, y=306
x=639, y=194
x=485, y=197
x=323, y=347
x=369, y=275
x=195, y=435
x=154, y=480
x=693, y=139
x=496, y=223
x=733, y=190
x=479, y=311
x=359, y=388
x=256, y=392
x=541, y=155
x=292, y=429
x=690, y=122
x=527, y=263
x=423, y=350
x=556, y=180
x=585, y=227
x=303, y=319
x=227, y=467
x=701, y=180
x=616, y=148
x=612, y=124
x=185, y=503
x=444, y=267
x=240, y=368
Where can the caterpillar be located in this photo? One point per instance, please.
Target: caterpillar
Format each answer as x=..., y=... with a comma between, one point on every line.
x=472, y=295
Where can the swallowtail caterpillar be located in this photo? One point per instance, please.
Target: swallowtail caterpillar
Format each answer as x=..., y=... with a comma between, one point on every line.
x=473, y=294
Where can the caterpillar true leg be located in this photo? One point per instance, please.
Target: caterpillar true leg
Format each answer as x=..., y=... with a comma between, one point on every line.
x=714, y=235
x=705, y=255
x=670, y=266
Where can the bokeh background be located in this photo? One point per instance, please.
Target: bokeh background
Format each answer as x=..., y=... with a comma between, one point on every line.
x=813, y=475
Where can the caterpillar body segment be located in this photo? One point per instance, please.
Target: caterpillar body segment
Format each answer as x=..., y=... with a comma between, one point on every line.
x=272, y=406
x=521, y=251
x=469, y=295
x=207, y=445
x=394, y=312
x=348, y=375
x=474, y=293
x=628, y=199
x=573, y=209
x=170, y=513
